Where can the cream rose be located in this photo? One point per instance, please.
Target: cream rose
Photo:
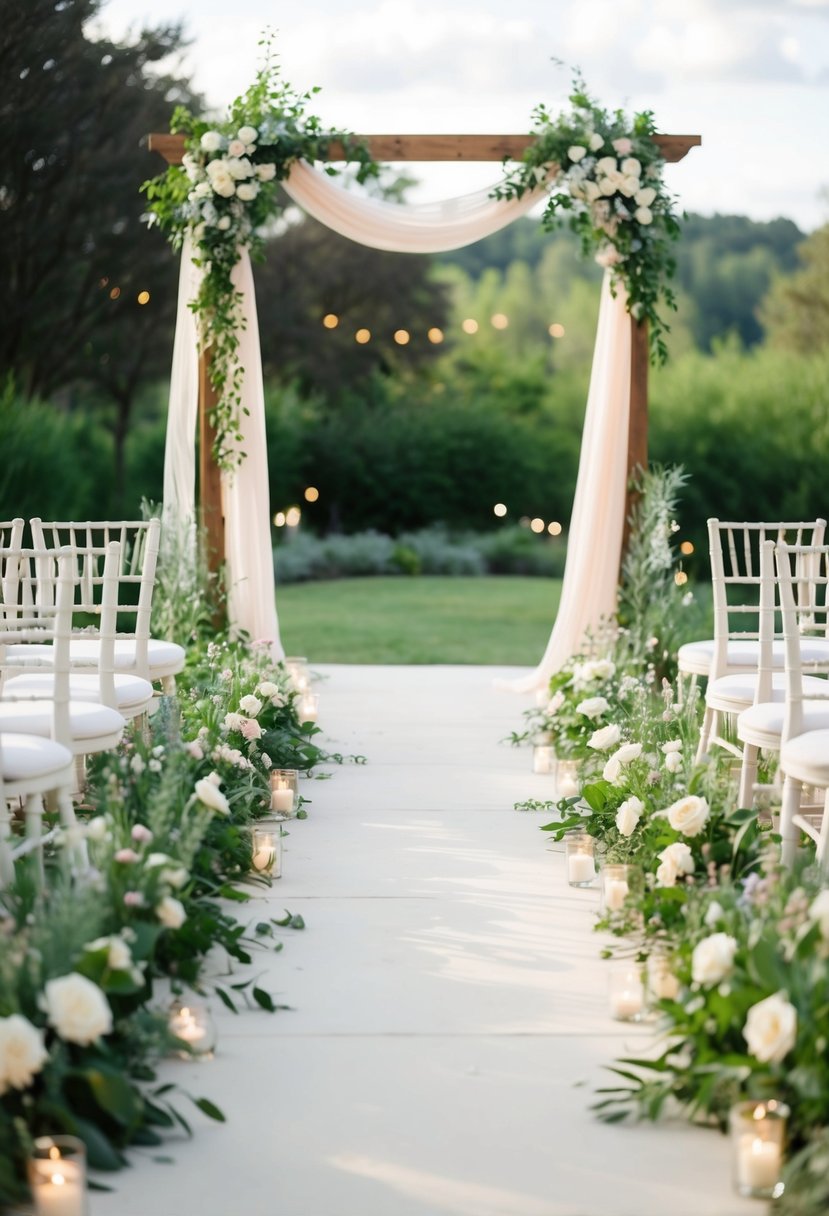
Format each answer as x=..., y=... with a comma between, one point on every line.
x=628, y=815
x=239, y=168
x=119, y=956
x=251, y=729
x=645, y=196
x=603, y=739
x=236, y=147
x=592, y=707
x=22, y=1052
x=626, y=753
x=171, y=912
x=266, y=173
x=771, y=1028
x=176, y=877
x=223, y=223
x=623, y=146
x=689, y=815
x=644, y=215
x=675, y=860
x=223, y=184
x=662, y=983
x=233, y=721
x=713, y=959
x=596, y=141
x=247, y=191
x=607, y=165
x=714, y=914
x=268, y=689
x=631, y=167
x=673, y=762
x=576, y=153
x=211, y=141
x=248, y=135
x=77, y=1009
x=211, y=796
x=591, y=191
x=250, y=705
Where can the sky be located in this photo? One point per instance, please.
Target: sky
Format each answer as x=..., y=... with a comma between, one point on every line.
x=750, y=76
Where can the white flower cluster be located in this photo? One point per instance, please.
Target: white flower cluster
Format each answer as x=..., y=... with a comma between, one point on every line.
x=611, y=187
x=222, y=169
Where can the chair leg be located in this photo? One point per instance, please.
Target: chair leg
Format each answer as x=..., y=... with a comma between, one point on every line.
x=710, y=722
x=789, y=831
x=34, y=831
x=76, y=841
x=6, y=859
x=748, y=775
x=168, y=686
x=823, y=843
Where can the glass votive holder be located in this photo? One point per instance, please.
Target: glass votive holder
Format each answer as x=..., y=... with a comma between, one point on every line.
x=266, y=856
x=626, y=993
x=662, y=982
x=307, y=707
x=758, y=1141
x=284, y=792
x=297, y=668
x=580, y=860
x=544, y=758
x=619, y=882
x=192, y=1024
x=568, y=784
x=57, y=1176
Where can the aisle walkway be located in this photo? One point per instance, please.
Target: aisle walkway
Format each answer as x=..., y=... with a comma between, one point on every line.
x=448, y=1013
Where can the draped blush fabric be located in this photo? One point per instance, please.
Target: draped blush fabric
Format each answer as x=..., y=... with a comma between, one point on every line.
x=410, y=228
x=594, y=543
x=245, y=493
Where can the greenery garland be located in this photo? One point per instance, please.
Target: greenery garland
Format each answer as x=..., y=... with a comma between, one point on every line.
x=605, y=173
x=223, y=195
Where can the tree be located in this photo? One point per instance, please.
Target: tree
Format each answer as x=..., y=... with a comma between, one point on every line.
x=74, y=252
x=795, y=313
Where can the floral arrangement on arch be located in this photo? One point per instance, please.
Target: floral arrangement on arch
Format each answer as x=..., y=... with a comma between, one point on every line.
x=222, y=196
x=605, y=173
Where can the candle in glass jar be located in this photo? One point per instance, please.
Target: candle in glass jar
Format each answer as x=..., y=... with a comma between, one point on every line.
x=58, y=1185
x=307, y=709
x=580, y=867
x=186, y=1026
x=616, y=891
x=282, y=800
x=626, y=1004
x=544, y=758
x=758, y=1163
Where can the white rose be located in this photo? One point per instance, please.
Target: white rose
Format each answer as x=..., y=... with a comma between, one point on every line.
x=623, y=145
x=211, y=141
x=157, y=859
x=212, y=796
x=629, y=186
x=673, y=745
x=676, y=859
x=248, y=135
x=177, y=877
x=250, y=705
x=591, y=191
x=628, y=815
x=607, y=185
x=233, y=721
x=606, y=165
x=713, y=959
x=595, y=141
x=714, y=914
x=689, y=815
x=596, y=669
x=605, y=738
x=236, y=147
x=223, y=184
x=644, y=215
x=576, y=152
x=223, y=223
x=673, y=762
x=627, y=752
x=662, y=983
x=202, y=190
x=645, y=196
x=97, y=828
x=247, y=191
x=171, y=912
x=819, y=912
x=119, y=957
x=266, y=173
x=771, y=1028
x=190, y=166
x=268, y=689
x=239, y=168
x=22, y=1052
x=77, y=1009
x=631, y=167
x=592, y=707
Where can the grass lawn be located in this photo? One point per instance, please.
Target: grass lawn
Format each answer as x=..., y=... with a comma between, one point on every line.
x=497, y=620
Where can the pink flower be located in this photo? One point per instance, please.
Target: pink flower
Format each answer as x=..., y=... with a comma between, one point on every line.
x=251, y=729
x=194, y=750
x=237, y=148
x=141, y=835
x=623, y=146
x=126, y=856
x=133, y=899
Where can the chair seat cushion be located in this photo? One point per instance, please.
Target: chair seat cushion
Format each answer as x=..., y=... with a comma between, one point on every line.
x=762, y=725
x=131, y=692
x=163, y=658
x=806, y=758
x=694, y=658
x=736, y=692
x=27, y=756
x=88, y=721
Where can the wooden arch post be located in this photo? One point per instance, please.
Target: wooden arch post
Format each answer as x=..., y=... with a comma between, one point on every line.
x=403, y=148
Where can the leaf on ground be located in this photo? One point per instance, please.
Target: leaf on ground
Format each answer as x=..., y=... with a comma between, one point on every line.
x=210, y=1109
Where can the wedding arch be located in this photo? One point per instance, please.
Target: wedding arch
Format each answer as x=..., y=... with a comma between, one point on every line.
x=234, y=492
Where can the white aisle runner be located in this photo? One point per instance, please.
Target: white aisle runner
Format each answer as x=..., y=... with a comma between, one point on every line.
x=448, y=1016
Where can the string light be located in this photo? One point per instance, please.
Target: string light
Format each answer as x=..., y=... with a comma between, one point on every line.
x=554, y=528
x=469, y=326
x=435, y=335
x=143, y=297
x=556, y=330
x=499, y=320
x=115, y=293
x=279, y=519
x=537, y=524
x=687, y=548
x=311, y=493
x=680, y=578
x=499, y=509
x=362, y=336
x=292, y=516
x=401, y=337
x=330, y=320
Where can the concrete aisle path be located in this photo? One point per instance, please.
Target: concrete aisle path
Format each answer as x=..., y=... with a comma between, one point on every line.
x=448, y=1014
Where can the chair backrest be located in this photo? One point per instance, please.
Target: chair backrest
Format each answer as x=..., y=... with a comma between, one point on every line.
x=139, y=544
x=803, y=579
x=737, y=569
x=35, y=634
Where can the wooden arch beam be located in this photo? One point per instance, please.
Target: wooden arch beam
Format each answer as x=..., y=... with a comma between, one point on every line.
x=428, y=148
